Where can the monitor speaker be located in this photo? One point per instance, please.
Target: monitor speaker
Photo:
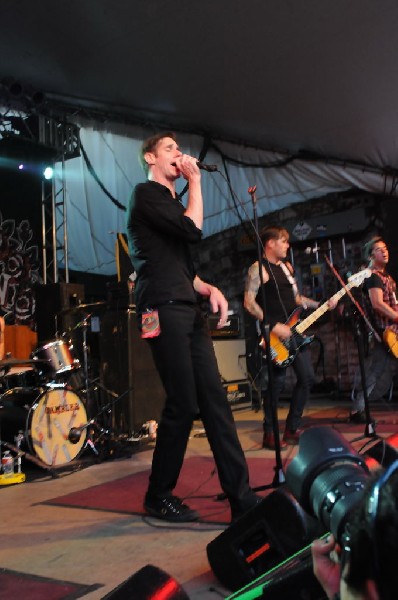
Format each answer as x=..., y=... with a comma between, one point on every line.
x=127, y=369
x=267, y=534
x=148, y=583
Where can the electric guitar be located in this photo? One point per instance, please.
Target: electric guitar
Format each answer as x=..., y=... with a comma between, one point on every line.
x=283, y=352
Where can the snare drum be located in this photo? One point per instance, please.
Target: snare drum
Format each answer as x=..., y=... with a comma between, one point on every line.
x=45, y=417
x=57, y=359
x=24, y=378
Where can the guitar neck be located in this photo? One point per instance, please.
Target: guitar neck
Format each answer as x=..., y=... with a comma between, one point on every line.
x=303, y=325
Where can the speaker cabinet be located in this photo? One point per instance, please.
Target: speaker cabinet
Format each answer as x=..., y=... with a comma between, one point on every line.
x=127, y=369
x=53, y=301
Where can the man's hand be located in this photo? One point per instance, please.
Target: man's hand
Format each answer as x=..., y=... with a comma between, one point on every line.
x=217, y=300
x=326, y=565
x=219, y=303
x=188, y=167
x=332, y=303
x=282, y=331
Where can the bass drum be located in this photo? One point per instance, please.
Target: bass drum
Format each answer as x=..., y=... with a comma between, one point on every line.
x=45, y=417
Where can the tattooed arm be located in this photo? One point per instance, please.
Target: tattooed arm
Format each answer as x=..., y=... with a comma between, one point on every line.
x=251, y=290
x=252, y=286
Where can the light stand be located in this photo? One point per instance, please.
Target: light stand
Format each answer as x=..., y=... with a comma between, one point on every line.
x=279, y=476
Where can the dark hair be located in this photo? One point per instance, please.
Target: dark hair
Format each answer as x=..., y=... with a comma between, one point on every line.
x=374, y=541
x=150, y=144
x=272, y=232
x=368, y=246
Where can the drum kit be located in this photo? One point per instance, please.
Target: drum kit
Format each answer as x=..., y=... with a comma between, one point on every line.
x=44, y=400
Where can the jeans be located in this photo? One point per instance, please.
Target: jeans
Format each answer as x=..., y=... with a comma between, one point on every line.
x=380, y=367
x=304, y=371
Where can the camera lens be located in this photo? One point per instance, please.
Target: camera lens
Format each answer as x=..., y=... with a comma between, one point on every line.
x=335, y=492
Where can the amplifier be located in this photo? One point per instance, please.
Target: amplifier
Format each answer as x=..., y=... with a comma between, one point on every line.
x=238, y=392
x=230, y=330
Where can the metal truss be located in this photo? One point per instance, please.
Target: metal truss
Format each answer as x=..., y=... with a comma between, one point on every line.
x=53, y=141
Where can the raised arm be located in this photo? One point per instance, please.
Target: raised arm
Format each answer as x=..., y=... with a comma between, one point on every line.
x=188, y=167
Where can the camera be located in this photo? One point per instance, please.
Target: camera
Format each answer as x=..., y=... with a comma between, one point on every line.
x=327, y=477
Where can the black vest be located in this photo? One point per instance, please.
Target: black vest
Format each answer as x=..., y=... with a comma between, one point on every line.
x=279, y=297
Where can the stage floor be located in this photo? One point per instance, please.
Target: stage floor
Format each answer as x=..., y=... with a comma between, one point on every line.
x=95, y=547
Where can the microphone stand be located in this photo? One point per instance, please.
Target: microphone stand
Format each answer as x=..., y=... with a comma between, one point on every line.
x=279, y=476
x=76, y=432
x=370, y=425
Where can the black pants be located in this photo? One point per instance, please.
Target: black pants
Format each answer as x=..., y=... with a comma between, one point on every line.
x=304, y=371
x=184, y=356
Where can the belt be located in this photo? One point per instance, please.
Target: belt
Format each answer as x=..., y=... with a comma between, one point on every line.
x=184, y=302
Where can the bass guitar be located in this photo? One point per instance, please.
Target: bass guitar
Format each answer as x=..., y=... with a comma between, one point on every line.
x=283, y=352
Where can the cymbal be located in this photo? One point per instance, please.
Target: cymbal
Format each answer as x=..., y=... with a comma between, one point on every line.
x=13, y=362
x=79, y=307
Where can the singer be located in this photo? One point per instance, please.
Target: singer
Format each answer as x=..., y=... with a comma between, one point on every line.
x=160, y=231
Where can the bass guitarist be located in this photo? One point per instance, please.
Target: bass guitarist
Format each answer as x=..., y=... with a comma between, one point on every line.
x=381, y=303
x=281, y=298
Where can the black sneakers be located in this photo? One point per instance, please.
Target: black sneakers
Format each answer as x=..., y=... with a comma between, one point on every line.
x=170, y=508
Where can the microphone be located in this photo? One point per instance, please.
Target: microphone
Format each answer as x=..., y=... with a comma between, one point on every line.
x=209, y=168
x=75, y=433
x=203, y=166
x=310, y=250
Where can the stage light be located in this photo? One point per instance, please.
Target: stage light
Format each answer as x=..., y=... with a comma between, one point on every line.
x=48, y=173
x=21, y=167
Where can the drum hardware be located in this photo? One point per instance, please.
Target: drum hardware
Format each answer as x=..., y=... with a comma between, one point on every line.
x=22, y=454
x=79, y=307
x=7, y=363
x=100, y=432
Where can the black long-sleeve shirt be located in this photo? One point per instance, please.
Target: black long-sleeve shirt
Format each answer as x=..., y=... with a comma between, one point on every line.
x=159, y=236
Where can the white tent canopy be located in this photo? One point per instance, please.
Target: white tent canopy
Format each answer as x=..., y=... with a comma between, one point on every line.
x=93, y=219
x=283, y=76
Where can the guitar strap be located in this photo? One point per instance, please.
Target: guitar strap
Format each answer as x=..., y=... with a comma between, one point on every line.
x=291, y=280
